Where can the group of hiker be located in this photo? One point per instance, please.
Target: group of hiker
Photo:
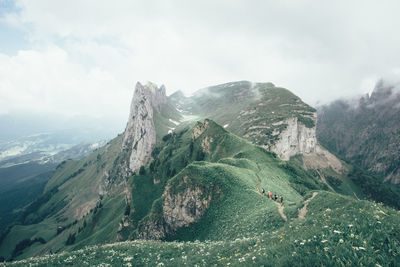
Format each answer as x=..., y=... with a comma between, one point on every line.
x=274, y=197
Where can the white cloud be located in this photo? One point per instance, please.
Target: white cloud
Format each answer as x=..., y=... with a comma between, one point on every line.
x=48, y=81
x=86, y=55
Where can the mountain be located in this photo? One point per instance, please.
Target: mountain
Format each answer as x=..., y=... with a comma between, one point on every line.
x=190, y=172
x=19, y=186
x=365, y=131
x=23, y=178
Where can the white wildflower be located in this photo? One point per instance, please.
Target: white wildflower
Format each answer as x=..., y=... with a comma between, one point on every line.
x=337, y=232
x=128, y=258
x=323, y=241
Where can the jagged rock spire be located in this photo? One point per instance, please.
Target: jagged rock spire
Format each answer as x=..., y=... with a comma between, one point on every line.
x=140, y=134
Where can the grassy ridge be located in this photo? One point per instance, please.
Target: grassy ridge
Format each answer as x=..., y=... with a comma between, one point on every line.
x=233, y=167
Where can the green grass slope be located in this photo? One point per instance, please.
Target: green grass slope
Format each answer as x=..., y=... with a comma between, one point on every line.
x=71, y=194
x=337, y=231
x=19, y=186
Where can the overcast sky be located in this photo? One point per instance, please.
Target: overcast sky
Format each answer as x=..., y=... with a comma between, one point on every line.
x=83, y=57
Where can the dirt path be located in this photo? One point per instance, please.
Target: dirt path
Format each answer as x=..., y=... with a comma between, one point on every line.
x=356, y=195
x=325, y=182
x=258, y=184
x=303, y=210
x=258, y=179
x=280, y=209
x=280, y=206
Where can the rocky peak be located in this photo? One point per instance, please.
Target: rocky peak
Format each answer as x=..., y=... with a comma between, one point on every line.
x=140, y=134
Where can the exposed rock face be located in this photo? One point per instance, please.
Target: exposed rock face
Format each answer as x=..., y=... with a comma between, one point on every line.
x=295, y=139
x=184, y=208
x=199, y=128
x=365, y=131
x=322, y=159
x=179, y=209
x=140, y=133
x=153, y=230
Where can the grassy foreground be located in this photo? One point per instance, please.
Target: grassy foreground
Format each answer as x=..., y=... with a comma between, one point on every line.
x=337, y=231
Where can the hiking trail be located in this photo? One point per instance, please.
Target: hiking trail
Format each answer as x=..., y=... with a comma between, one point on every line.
x=258, y=179
x=280, y=206
x=280, y=209
x=325, y=181
x=303, y=210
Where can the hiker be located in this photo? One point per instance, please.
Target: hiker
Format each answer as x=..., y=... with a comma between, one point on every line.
x=269, y=194
x=263, y=191
x=281, y=199
x=276, y=197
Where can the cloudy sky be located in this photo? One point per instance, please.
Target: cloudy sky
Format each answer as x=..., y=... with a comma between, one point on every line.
x=83, y=57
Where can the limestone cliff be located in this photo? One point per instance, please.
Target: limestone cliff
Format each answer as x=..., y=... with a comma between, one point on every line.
x=186, y=207
x=178, y=209
x=140, y=134
x=295, y=139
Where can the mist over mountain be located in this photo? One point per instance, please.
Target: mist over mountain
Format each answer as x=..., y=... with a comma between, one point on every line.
x=365, y=131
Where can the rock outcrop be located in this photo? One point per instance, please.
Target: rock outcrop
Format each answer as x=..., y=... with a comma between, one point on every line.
x=365, y=131
x=199, y=128
x=140, y=134
x=178, y=209
x=295, y=139
x=184, y=208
